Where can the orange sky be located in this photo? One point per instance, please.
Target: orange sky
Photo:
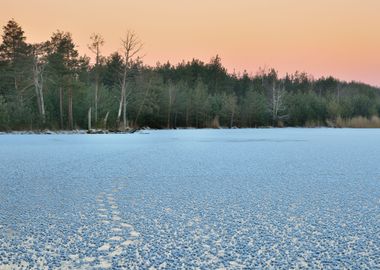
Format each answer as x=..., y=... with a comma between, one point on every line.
x=324, y=37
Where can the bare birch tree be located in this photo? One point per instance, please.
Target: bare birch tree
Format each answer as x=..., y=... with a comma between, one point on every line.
x=131, y=47
x=39, y=63
x=96, y=42
x=277, y=105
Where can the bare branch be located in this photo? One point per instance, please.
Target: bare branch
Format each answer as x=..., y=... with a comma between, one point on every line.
x=96, y=42
x=131, y=46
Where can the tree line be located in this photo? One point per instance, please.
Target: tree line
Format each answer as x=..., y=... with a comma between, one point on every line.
x=48, y=85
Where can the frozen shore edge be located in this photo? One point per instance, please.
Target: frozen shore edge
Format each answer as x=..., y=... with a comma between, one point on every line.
x=131, y=131
x=67, y=132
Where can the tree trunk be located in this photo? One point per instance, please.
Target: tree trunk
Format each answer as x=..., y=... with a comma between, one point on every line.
x=43, y=112
x=142, y=103
x=175, y=120
x=123, y=98
x=70, y=107
x=89, y=119
x=15, y=82
x=125, y=110
x=38, y=85
x=96, y=98
x=232, y=118
x=187, y=116
x=169, y=105
x=120, y=108
x=61, y=106
x=105, y=120
x=338, y=94
x=96, y=84
x=169, y=113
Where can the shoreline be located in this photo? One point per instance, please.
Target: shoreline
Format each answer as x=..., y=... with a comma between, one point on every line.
x=131, y=131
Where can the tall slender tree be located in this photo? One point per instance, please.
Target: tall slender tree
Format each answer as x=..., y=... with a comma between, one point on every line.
x=39, y=64
x=63, y=59
x=97, y=42
x=131, y=47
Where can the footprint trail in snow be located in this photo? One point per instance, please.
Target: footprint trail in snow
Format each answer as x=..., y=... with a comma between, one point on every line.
x=120, y=234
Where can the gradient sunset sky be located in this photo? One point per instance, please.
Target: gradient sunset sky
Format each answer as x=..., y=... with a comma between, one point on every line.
x=324, y=37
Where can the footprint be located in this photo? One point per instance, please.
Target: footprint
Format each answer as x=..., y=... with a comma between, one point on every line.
x=134, y=234
x=88, y=259
x=116, y=238
x=117, y=230
x=116, y=218
x=109, y=214
x=104, y=263
x=105, y=247
x=117, y=252
x=128, y=242
x=126, y=225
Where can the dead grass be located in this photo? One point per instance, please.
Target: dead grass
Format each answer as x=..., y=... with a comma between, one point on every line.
x=215, y=123
x=356, y=122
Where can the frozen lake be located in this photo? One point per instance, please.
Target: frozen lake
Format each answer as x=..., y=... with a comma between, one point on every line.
x=208, y=199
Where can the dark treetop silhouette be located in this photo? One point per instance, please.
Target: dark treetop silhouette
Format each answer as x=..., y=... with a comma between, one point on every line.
x=49, y=85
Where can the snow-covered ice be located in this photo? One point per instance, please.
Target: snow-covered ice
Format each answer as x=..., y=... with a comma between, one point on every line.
x=208, y=199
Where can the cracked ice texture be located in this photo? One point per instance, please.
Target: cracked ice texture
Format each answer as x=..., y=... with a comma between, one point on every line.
x=209, y=199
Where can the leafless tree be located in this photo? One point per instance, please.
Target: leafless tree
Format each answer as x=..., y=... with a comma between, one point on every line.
x=97, y=41
x=39, y=63
x=277, y=105
x=131, y=47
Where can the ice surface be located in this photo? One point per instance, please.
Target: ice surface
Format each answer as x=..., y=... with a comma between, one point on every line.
x=209, y=199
